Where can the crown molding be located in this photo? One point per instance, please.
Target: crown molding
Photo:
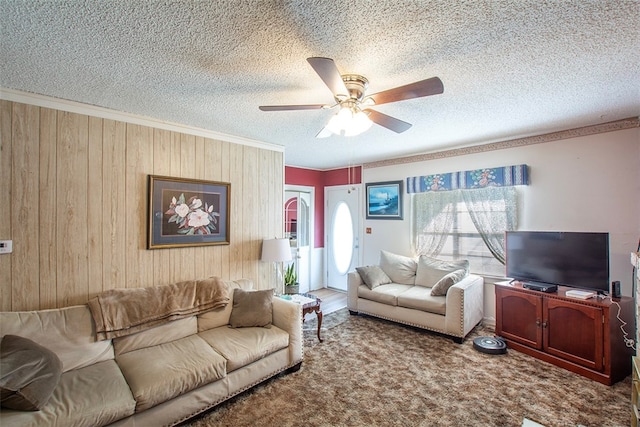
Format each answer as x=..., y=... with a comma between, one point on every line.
x=105, y=113
x=628, y=123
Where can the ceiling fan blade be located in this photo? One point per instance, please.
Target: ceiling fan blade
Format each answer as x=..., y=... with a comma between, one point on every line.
x=432, y=86
x=391, y=123
x=291, y=107
x=328, y=72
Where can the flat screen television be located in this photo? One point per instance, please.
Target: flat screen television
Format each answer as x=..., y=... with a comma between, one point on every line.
x=575, y=259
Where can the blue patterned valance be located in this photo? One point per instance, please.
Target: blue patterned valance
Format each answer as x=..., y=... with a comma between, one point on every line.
x=504, y=176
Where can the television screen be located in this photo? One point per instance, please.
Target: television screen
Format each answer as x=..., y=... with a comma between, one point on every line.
x=575, y=259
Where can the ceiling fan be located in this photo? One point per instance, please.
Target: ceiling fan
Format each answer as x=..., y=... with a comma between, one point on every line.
x=355, y=116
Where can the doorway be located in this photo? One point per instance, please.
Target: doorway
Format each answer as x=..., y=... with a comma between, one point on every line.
x=298, y=227
x=342, y=233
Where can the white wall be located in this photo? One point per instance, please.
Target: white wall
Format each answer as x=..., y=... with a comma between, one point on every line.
x=586, y=183
x=317, y=269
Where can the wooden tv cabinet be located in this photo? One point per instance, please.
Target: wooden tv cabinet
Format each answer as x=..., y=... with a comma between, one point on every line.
x=582, y=336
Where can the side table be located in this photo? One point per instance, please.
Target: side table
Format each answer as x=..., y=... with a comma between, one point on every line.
x=310, y=303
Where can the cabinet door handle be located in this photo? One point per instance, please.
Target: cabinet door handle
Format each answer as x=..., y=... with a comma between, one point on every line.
x=537, y=322
x=544, y=324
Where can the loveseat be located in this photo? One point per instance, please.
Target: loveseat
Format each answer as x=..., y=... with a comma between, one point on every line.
x=424, y=292
x=161, y=375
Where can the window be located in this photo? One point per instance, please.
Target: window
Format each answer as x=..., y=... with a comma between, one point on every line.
x=343, y=242
x=465, y=224
x=465, y=242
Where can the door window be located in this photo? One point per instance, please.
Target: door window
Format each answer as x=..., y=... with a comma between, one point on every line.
x=342, y=230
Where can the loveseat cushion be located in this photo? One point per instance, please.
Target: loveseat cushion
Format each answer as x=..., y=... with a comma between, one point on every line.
x=162, y=372
x=385, y=294
x=443, y=285
x=373, y=276
x=431, y=270
x=241, y=346
x=95, y=395
x=28, y=373
x=399, y=268
x=421, y=298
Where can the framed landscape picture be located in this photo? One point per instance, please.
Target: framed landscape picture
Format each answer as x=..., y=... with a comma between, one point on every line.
x=384, y=200
x=187, y=212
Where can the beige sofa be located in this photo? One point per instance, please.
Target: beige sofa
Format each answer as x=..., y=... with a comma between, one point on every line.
x=440, y=296
x=160, y=376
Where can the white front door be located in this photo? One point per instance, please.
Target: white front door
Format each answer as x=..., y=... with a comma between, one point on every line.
x=342, y=233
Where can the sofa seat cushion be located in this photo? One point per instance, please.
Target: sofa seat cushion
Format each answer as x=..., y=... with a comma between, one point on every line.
x=95, y=395
x=420, y=298
x=241, y=346
x=385, y=294
x=162, y=372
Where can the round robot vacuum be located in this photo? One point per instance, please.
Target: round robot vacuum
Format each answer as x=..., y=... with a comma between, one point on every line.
x=490, y=345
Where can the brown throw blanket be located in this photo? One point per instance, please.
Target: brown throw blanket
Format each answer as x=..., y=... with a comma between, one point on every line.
x=120, y=312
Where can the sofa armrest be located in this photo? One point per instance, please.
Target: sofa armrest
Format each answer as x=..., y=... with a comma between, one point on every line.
x=287, y=316
x=465, y=305
x=354, y=280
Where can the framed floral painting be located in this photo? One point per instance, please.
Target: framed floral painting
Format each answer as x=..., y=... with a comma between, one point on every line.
x=187, y=212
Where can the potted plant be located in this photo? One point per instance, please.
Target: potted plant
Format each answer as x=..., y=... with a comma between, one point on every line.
x=291, y=280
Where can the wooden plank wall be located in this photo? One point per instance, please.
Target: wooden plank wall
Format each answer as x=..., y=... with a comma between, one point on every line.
x=74, y=191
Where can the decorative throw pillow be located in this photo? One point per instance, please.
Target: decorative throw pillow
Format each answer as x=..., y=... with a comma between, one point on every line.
x=443, y=285
x=28, y=373
x=373, y=276
x=431, y=270
x=251, y=308
x=400, y=269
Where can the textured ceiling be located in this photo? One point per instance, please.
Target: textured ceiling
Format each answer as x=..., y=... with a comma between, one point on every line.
x=510, y=68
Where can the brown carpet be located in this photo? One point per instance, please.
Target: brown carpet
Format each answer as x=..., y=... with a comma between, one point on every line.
x=370, y=372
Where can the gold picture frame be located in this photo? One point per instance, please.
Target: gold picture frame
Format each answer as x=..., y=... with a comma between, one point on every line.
x=187, y=212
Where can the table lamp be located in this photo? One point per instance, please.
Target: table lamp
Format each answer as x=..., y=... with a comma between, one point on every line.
x=276, y=251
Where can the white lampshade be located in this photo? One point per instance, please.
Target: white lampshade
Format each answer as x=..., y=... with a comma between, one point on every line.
x=359, y=123
x=349, y=122
x=276, y=250
x=339, y=122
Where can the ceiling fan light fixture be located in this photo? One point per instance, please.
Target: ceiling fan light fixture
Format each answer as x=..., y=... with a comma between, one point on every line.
x=348, y=90
x=359, y=124
x=339, y=122
x=349, y=122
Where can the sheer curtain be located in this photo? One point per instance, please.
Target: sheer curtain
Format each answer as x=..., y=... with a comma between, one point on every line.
x=432, y=219
x=493, y=211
